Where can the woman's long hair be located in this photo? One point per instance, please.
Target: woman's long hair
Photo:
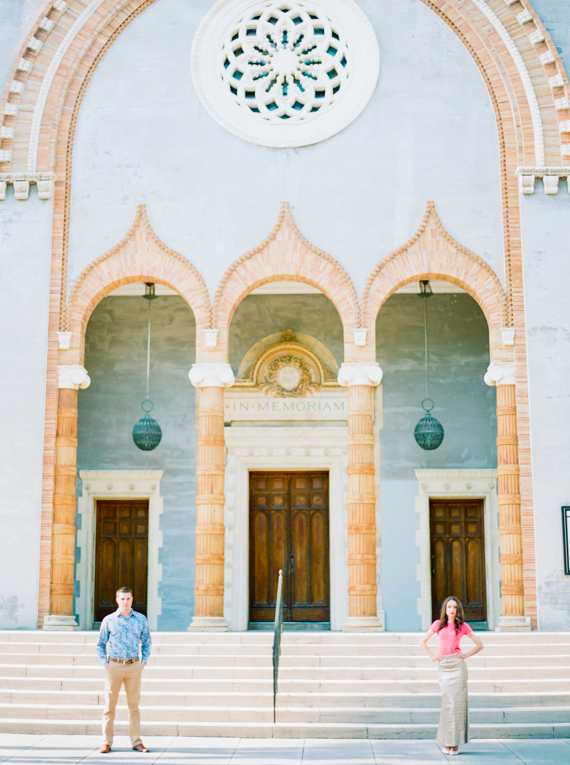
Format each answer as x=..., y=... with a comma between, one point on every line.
x=459, y=616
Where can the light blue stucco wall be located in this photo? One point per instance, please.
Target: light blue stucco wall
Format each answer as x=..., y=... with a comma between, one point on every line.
x=546, y=253
x=25, y=239
x=458, y=358
x=428, y=132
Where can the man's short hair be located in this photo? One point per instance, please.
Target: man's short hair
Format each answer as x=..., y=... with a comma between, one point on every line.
x=124, y=589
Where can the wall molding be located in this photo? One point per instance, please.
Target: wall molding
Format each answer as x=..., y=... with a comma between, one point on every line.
x=117, y=484
x=459, y=484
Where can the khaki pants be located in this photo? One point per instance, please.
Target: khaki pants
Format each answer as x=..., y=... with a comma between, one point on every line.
x=115, y=675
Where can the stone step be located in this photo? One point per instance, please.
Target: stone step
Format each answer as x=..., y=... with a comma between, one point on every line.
x=263, y=660
x=344, y=715
x=289, y=638
x=419, y=674
x=286, y=730
x=192, y=685
x=303, y=701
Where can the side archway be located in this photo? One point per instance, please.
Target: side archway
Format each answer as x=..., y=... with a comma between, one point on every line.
x=432, y=253
x=140, y=256
x=285, y=255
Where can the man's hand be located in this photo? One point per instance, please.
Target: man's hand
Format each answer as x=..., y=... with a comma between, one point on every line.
x=143, y=664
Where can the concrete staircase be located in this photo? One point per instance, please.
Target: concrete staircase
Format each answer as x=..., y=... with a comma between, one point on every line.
x=332, y=685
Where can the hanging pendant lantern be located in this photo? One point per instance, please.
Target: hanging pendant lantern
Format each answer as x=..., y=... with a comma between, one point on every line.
x=429, y=431
x=147, y=433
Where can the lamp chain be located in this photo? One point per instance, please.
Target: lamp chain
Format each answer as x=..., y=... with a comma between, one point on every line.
x=148, y=355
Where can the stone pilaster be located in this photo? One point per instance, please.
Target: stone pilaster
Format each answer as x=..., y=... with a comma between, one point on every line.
x=71, y=377
x=361, y=378
x=210, y=379
x=503, y=376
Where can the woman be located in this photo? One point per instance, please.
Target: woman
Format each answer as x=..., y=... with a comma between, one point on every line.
x=452, y=673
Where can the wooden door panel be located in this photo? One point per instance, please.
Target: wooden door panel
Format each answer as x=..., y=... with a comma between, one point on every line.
x=458, y=556
x=294, y=538
x=121, y=553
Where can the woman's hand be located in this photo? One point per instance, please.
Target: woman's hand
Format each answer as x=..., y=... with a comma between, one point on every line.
x=436, y=657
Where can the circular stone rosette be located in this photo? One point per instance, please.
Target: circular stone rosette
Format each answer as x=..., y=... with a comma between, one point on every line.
x=282, y=74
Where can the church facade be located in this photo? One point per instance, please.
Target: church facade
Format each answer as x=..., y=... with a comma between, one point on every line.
x=286, y=291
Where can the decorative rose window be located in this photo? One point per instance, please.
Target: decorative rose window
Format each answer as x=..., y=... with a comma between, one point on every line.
x=285, y=74
x=285, y=62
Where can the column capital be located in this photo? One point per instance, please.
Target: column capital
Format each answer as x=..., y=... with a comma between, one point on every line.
x=211, y=375
x=359, y=373
x=72, y=376
x=501, y=373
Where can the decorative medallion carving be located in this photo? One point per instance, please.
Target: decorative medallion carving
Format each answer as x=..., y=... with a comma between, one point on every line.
x=288, y=375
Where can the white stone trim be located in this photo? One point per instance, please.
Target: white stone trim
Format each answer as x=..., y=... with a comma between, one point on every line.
x=72, y=376
x=211, y=375
x=117, y=484
x=49, y=76
x=501, y=373
x=459, y=484
x=524, y=75
x=359, y=373
x=275, y=448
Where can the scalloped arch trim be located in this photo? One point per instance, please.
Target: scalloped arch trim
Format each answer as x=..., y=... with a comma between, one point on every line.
x=284, y=255
x=139, y=256
x=432, y=253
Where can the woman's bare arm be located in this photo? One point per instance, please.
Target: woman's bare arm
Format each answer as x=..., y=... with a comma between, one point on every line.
x=478, y=646
x=427, y=649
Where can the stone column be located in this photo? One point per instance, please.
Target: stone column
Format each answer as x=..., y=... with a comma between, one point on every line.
x=71, y=377
x=210, y=379
x=361, y=378
x=503, y=376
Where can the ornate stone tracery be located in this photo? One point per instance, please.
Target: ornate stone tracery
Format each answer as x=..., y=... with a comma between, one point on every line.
x=285, y=74
x=285, y=62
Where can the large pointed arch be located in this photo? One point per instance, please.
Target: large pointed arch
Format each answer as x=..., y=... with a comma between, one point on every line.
x=285, y=255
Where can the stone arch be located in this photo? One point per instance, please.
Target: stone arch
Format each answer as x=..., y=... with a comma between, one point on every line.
x=139, y=256
x=432, y=253
x=284, y=255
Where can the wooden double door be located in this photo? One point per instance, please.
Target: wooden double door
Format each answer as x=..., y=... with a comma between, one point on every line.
x=458, y=556
x=121, y=554
x=289, y=530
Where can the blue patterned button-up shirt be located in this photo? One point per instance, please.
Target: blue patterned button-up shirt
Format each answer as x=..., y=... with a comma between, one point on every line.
x=126, y=636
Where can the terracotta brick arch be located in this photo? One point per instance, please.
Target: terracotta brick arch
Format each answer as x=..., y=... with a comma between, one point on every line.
x=140, y=256
x=432, y=253
x=284, y=255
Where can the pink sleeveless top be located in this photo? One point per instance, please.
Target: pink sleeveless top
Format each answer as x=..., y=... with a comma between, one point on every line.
x=447, y=639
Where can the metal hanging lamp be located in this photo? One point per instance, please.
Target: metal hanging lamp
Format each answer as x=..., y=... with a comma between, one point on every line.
x=429, y=431
x=147, y=433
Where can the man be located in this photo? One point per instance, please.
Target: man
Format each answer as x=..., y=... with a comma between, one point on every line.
x=123, y=635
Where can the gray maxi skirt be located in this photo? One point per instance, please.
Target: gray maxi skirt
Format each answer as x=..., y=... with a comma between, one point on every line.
x=453, y=723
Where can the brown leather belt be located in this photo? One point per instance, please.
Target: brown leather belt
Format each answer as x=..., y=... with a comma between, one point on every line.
x=124, y=661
